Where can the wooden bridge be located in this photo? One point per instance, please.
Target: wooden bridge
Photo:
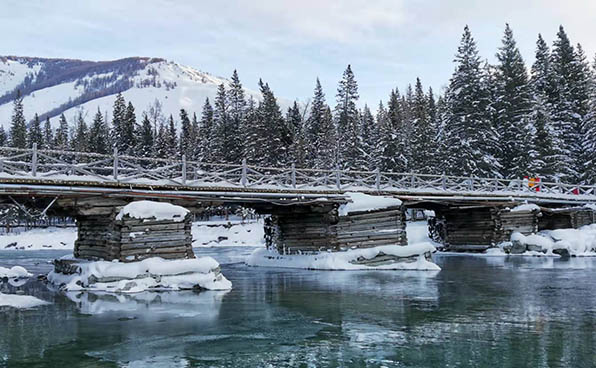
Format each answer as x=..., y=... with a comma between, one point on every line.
x=303, y=202
x=48, y=172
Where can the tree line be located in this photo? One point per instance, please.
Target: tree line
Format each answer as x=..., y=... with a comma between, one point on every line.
x=503, y=120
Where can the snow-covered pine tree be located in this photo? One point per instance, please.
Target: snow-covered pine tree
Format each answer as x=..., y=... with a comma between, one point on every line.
x=582, y=95
x=320, y=132
x=145, y=139
x=160, y=144
x=295, y=123
x=205, y=153
x=61, y=138
x=547, y=142
x=127, y=131
x=172, y=139
x=368, y=141
x=48, y=135
x=118, y=123
x=589, y=135
x=98, y=135
x=392, y=135
x=423, y=133
x=272, y=130
x=566, y=112
x=221, y=134
x=80, y=136
x=3, y=137
x=468, y=128
x=237, y=115
x=196, y=137
x=18, y=127
x=186, y=137
x=35, y=136
x=512, y=104
x=347, y=120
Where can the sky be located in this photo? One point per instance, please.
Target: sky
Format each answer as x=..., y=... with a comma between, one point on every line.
x=290, y=43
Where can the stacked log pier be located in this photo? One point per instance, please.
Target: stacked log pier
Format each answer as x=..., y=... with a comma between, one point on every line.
x=371, y=228
x=565, y=218
x=130, y=239
x=316, y=232
x=479, y=228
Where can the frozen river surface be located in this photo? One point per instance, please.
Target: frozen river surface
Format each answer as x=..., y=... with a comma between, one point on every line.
x=476, y=312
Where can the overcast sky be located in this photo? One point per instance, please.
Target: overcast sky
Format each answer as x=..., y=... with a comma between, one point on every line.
x=289, y=43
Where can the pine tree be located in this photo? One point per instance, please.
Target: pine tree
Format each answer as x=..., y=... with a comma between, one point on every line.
x=118, y=123
x=162, y=141
x=296, y=125
x=127, y=142
x=172, y=139
x=392, y=133
x=206, y=153
x=221, y=124
x=566, y=114
x=512, y=103
x=423, y=133
x=272, y=130
x=145, y=139
x=469, y=130
x=347, y=120
x=61, y=139
x=35, y=135
x=583, y=92
x=186, y=137
x=80, y=137
x=98, y=135
x=320, y=133
x=236, y=115
x=368, y=140
x=48, y=135
x=18, y=128
x=196, y=138
x=547, y=141
x=3, y=137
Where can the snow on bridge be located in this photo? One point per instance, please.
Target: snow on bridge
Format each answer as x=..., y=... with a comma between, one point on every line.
x=54, y=172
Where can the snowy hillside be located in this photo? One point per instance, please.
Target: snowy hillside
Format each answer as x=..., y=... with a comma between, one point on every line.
x=54, y=86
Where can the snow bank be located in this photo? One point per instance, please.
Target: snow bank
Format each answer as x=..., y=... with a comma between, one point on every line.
x=149, y=274
x=575, y=242
x=343, y=260
x=15, y=272
x=20, y=301
x=364, y=202
x=35, y=239
x=153, y=210
x=208, y=234
x=526, y=207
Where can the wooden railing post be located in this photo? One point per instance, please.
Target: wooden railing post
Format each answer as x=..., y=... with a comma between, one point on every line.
x=444, y=182
x=115, y=169
x=34, y=160
x=378, y=179
x=337, y=178
x=293, y=175
x=1, y=165
x=184, y=169
x=244, y=178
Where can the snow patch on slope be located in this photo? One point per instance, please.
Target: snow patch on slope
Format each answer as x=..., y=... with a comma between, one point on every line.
x=36, y=239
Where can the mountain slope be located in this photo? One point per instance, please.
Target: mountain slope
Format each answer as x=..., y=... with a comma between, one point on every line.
x=54, y=86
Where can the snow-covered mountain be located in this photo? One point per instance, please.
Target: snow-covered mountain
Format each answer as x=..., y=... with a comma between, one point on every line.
x=54, y=86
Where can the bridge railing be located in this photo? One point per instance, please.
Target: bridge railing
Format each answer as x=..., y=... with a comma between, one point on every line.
x=54, y=165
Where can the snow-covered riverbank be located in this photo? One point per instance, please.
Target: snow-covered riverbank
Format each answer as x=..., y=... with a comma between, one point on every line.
x=205, y=234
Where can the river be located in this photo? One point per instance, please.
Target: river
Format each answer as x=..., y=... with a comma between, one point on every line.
x=478, y=311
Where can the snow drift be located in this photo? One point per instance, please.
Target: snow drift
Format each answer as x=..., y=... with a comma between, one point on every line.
x=16, y=272
x=344, y=260
x=154, y=274
x=158, y=211
x=573, y=242
x=20, y=301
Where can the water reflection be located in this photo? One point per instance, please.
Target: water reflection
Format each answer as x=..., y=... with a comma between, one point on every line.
x=477, y=311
